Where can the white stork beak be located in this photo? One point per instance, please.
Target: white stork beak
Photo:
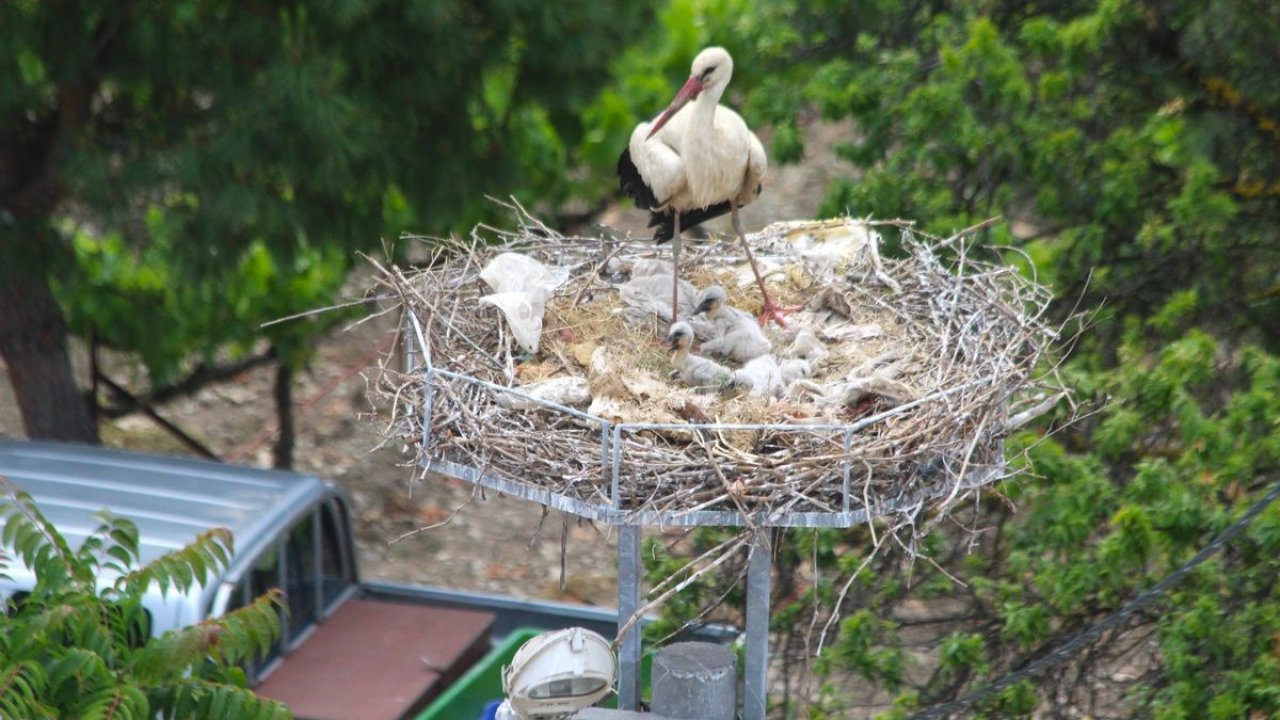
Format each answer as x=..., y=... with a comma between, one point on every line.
x=691, y=88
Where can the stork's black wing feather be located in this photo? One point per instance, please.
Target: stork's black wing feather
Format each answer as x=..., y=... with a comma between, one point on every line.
x=665, y=222
x=632, y=185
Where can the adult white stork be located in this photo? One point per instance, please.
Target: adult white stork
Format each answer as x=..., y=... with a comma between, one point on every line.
x=696, y=162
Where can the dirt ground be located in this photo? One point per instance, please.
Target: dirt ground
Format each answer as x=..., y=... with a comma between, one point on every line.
x=491, y=543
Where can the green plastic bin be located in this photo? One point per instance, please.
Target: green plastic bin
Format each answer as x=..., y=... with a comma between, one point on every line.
x=466, y=698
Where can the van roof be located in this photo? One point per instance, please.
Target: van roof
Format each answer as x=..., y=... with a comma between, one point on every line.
x=171, y=499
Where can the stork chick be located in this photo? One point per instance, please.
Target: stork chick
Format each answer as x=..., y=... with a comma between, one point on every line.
x=806, y=346
x=650, y=295
x=794, y=369
x=694, y=370
x=737, y=335
x=761, y=377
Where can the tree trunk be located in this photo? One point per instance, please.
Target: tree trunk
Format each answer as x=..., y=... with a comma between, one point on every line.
x=33, y=343
x=283, y=450
x=33, y=331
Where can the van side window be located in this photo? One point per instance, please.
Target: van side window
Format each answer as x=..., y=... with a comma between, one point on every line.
x=314, y=571
x=264, y=575
x=301, y=588
x=333, y=578
x=308, y=563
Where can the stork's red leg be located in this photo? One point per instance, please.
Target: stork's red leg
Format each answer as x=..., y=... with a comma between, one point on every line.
x=769, y=311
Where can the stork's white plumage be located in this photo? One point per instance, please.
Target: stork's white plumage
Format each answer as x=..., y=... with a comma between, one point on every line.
x=696, y=161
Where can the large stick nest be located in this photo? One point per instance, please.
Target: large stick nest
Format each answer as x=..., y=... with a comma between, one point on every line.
x=929, y=361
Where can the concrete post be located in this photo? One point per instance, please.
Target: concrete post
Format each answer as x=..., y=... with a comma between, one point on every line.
x=696, y=681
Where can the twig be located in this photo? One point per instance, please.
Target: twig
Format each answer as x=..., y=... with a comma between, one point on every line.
x=418, y=531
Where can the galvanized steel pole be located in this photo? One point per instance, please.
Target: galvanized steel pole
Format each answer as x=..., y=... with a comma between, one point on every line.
x=628, y=604
x=755, y=693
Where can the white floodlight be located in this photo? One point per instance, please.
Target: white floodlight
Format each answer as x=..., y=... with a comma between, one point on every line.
x=558, y=673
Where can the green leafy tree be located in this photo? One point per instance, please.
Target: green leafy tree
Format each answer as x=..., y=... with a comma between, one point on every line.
x=1105, y=128
x=157, y=158
x=1132, y=147
x=78, y=645
x=1134, y=141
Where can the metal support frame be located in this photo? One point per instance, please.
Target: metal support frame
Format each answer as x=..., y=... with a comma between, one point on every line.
x=628, y=603
x=756, y=661
x=608, y=508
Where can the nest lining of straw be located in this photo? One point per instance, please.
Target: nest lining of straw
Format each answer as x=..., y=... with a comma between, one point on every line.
x=931, y=360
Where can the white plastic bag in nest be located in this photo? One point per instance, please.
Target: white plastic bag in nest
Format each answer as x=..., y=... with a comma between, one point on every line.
x=826, y=248
x=521, y=287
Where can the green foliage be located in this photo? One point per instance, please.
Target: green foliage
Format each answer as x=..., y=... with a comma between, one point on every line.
x=694, y=595
x=962, y=654
x=78, y=645
x=1135, y=139
x=861, y=648
x=204, y=316
x=202, y=183
x=1132, y=145
x=1109, y=508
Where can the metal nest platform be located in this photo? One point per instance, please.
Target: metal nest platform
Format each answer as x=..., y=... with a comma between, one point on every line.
x=930, y=361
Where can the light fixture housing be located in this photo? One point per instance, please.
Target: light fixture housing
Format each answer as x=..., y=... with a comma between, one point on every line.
x=559, y=672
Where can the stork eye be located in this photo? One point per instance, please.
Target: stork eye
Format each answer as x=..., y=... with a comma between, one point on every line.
x=707, y=73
